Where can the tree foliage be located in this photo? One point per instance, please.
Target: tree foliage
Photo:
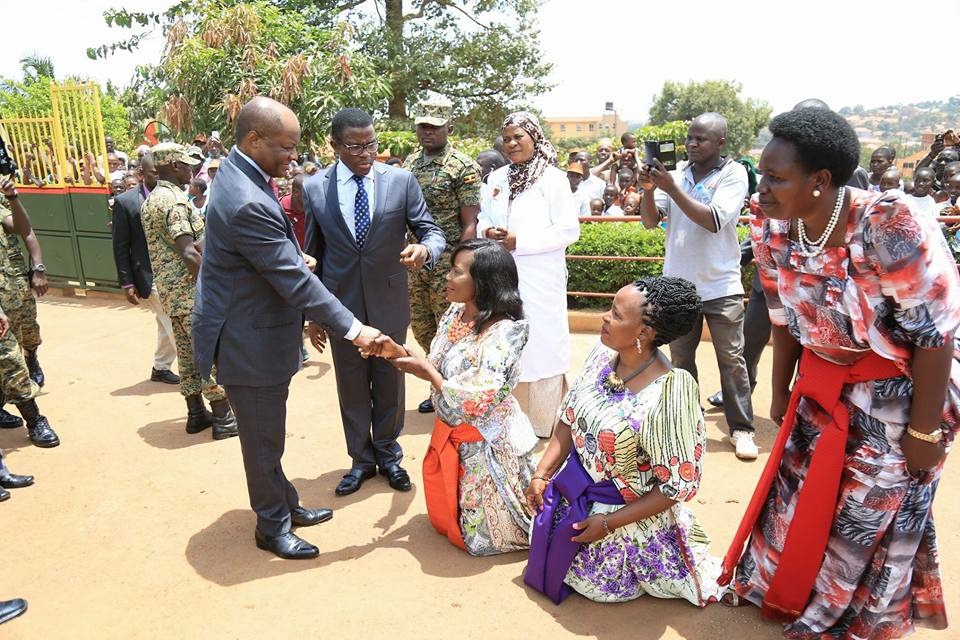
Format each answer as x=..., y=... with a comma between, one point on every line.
x=483, y=55
x=745, y=116
x=221, y=54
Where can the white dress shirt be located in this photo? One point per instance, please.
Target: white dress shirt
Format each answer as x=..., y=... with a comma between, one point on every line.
x=347, y=194
x=357, y=325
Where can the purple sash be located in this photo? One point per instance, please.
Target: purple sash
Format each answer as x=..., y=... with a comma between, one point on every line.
x=551, y=550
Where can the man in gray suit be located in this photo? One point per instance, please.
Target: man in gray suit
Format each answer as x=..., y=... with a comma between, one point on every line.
x=358, y=213
x=254, y=288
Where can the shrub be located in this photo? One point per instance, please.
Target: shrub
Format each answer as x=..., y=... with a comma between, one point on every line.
x=611, y=239
x=619, y=239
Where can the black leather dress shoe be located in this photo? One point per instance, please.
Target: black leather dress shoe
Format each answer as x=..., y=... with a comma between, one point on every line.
x=4, y=495
x=352, y=480
x=10, y=609
x=9, y=421
x=397, y=477
x=426, y=406
x=303, y=517
x=164, y=375
x=716, y=400
x=12, y=481
x=288, y=546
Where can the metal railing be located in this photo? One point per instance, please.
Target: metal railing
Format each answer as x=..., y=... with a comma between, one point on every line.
x=636, y=219
x=55, y=148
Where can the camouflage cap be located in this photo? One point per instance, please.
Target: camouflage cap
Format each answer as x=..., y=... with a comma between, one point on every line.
x=169, y=152
x=434, y=112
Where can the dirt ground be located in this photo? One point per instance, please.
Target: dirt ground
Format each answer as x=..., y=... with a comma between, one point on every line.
x=135, y=529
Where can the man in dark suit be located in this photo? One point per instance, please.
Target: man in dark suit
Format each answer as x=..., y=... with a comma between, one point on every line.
x=358, y=213
x=133, y=267
x=255, y=287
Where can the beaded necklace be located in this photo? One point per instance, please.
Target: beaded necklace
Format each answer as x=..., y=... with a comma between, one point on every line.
x=459, y=329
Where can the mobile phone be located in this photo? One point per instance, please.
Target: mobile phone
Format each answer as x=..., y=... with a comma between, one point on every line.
x=663, y=150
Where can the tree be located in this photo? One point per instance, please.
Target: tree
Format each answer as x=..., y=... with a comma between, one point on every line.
x=483, y=55
x=36, y=67
x=220, y=54
x=745, y=116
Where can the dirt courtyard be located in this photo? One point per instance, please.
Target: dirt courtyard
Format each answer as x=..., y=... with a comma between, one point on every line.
x=135, y=529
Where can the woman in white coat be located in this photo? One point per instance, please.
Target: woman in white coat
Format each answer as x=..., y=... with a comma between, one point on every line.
x=528, y=206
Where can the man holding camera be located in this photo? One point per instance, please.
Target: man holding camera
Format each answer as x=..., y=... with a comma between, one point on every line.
x=701, y=201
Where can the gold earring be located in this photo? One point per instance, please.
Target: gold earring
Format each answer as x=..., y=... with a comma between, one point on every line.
x=816, y=193
x=639, y=347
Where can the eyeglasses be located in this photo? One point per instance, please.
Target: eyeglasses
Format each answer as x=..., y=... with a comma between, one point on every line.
x=361, y=149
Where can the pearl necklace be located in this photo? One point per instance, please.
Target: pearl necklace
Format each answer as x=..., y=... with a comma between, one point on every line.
x=817, y=246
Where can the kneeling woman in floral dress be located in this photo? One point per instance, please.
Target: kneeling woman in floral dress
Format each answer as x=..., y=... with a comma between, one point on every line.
x=626, y=453
x=479, y=461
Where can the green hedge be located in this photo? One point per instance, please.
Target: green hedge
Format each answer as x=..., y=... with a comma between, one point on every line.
x=618, y=239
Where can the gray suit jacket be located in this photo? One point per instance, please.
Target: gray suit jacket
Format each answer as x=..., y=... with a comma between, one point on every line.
x=370, y=282
x=254, y=287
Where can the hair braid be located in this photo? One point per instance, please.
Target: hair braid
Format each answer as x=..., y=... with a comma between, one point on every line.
x=672, y=307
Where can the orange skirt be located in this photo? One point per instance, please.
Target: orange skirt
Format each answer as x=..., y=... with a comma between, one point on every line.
x=441, y=477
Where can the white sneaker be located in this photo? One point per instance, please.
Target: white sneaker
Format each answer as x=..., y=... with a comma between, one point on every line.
x=746, y=448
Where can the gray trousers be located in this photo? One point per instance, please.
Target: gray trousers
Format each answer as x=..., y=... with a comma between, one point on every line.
x=724, y=317
x=261, y=420
x=371, y=395
x=756, y=329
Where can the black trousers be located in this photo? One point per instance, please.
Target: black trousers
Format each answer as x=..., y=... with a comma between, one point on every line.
x=261, y=420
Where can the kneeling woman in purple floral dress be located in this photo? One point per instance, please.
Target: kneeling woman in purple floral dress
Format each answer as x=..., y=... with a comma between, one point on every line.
x=626, y=453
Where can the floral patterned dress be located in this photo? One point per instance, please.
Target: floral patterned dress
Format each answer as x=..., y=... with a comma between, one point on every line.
x=479, y=373
x=892, y=288
x=650, y=441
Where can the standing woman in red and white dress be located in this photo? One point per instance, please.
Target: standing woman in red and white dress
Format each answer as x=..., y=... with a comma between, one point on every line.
x=864, y=298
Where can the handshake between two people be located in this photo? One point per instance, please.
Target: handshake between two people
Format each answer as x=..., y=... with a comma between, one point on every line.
x=374, y=343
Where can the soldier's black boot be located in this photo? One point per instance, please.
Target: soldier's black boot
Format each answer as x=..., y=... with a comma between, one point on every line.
x=224, y=422
x=7, y=419
x=33, y=365
x=41, y=433
x=198, y=418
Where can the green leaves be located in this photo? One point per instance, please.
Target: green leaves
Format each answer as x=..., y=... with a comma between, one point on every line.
x=745, y=116
x=611, y=239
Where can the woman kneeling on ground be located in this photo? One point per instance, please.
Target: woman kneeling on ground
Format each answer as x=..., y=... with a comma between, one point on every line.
x=478, y=463
x=626, y=452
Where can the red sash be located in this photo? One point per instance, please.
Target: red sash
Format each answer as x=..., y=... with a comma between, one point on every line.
x=441, y=477
x=821, y=382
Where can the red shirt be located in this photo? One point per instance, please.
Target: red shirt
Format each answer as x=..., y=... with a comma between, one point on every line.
x=298, y=219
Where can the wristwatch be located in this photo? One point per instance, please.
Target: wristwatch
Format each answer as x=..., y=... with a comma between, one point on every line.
x=39, y=268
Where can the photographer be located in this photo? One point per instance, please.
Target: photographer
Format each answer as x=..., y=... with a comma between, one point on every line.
x=701, y=202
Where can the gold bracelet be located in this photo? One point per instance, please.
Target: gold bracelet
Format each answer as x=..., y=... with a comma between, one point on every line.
x=932, y=438
x=541, y=478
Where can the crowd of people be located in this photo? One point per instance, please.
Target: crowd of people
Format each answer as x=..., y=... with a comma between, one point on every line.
x=235, y=251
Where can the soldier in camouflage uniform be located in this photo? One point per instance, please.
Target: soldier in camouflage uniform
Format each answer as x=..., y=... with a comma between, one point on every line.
x=16, y=385
x=174, y=233
x=23, y=322
x=450, y=181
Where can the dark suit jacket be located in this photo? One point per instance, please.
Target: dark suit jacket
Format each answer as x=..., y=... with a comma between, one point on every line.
x=370, y=282
x=130, y=244
x=254, y=287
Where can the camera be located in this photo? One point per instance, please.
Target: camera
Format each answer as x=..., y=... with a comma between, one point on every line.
x=8, y=166
x=664, y=150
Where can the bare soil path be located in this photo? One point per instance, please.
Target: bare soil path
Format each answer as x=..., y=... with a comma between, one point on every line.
x=135, y=529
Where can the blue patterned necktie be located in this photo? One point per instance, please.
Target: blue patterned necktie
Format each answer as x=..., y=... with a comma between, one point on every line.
x=361, y=212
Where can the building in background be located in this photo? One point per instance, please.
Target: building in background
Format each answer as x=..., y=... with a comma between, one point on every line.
x=607, y=125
